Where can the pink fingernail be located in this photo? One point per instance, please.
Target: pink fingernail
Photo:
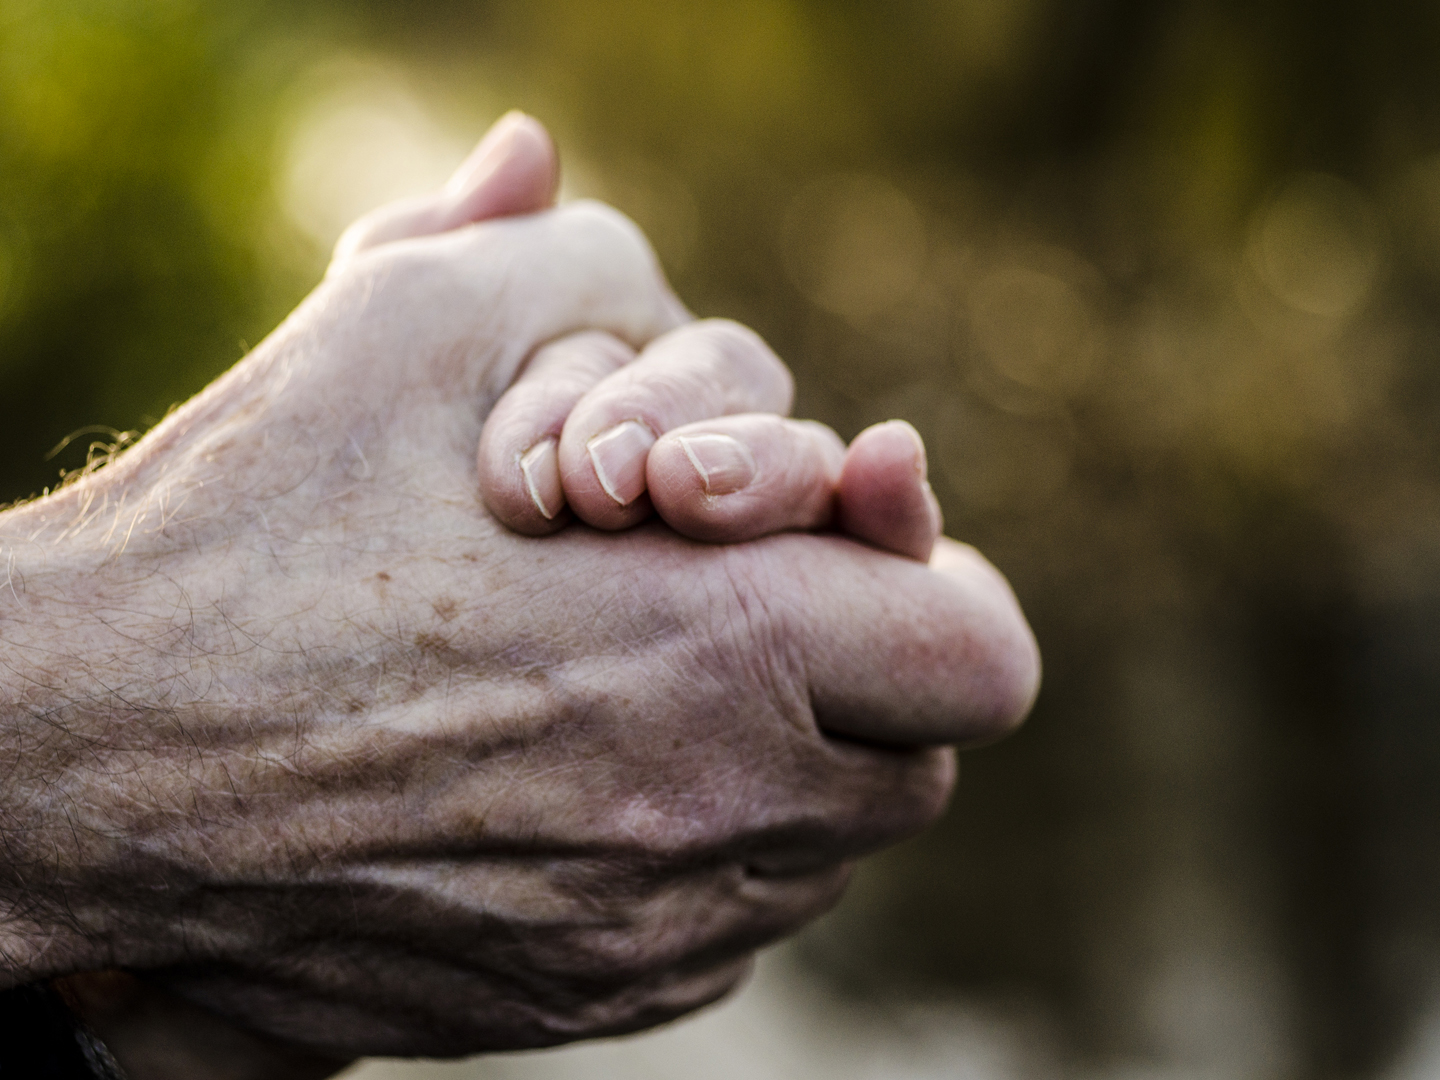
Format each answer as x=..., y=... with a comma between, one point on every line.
x=725, y=465
x=618, y=456
x=540, y=466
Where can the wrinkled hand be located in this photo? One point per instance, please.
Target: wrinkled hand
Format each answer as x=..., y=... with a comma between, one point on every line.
x=297, y=727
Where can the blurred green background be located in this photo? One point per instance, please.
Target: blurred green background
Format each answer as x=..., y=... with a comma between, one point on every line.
x=1157, y=281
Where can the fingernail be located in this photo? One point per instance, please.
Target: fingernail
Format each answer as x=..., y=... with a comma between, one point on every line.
x=725, y=465
x=619, y=459
x=540, y=466
x=493, y=149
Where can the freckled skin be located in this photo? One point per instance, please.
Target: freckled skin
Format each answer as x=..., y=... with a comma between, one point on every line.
x=332, y=753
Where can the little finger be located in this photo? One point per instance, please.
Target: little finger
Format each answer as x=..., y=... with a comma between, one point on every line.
x=884, y=496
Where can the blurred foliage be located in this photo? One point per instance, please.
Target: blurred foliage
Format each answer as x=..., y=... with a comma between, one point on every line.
x=1157, y=281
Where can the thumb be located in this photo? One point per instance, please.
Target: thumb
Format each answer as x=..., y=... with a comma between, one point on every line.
x=514, y=170
x=905, y=654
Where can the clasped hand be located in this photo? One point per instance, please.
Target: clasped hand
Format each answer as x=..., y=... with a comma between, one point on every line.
x=301, y=729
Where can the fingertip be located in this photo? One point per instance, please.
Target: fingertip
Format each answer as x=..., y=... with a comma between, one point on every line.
x=515, y=169
x=885, y=497
x=482, y=157
x=897, y=440
x=687, y=477
x=1012, y=657
x=604, y=473
x=521, y=488
x=927, y=655
x=617, y=456
x=723, y=465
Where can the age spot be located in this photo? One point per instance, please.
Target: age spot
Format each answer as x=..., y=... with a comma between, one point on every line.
x=433, y=643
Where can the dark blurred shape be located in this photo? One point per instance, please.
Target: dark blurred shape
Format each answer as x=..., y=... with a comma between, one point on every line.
x=1158, y=283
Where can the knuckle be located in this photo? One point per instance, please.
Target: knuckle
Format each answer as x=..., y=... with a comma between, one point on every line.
x=824, y=438
x=584, y=344
x=733, y=346
x=666, y=997
x=605, y=231
x=596, y=242
x=893, y=794
x=731, y=338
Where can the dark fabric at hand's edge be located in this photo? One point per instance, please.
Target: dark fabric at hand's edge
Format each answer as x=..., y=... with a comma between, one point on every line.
x=41, y=1039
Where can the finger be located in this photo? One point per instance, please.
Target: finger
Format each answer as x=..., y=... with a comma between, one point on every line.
x=640, y=946
x=884, y=497
x=736, y=478
x=514, y=170
x=698, y=372
x=519, y=462
x=899, y=653
x=849, y=799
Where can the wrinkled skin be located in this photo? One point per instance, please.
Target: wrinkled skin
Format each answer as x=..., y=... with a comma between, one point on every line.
x=297, y=728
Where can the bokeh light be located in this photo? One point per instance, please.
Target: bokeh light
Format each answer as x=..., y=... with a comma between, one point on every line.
x=361, y=138
x=1316, y=246
x=855, y=245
